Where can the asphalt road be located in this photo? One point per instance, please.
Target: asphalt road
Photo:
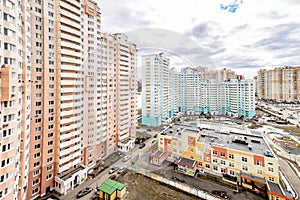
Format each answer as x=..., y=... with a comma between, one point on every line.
x=290, y=175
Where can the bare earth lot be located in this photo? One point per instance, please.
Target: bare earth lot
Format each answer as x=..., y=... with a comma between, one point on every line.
x=140, y=187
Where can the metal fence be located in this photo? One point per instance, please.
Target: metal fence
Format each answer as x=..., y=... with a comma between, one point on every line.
x=179, y=185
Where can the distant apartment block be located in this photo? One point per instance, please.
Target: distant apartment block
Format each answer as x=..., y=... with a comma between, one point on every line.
x=165, y=92
x=281, y=84
x=235, y=98
x=237, y=156
x=156, y=91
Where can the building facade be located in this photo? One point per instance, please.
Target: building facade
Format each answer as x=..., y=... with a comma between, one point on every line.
x=156, y=93
x=281, y=84
x=15, y=69
x=233, y=97
x=166, y=92
x=235, y=155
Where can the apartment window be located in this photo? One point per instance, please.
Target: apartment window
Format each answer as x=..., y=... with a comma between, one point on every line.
x=38, y=129
x=50, y=126
x=38, y=27
x=38, y=87
x=231, y=172
x=36, y=181
x=38, y=2
x=37, y=172
x=36, y=190
x=38, y=44
x=51, y=30
x=49, y=176
x=270, y=169
x=215, y=168
x=38, y=69
x=215, y=160
x=51, y=110
x=38, y=36
x=51, y=54
x=49, y=159
x=39, y=103
x=245, y=168
x=215, y=153
x=38, y=19
x=50, y=143
x=38, y=137
x=271, y=179
x=50, y=5
x=38, y=120
x=50, y=119
x=36, y=164
x=50, y=135
x=51, y=70
x=231, y=156
x=38, y=95
x=231, y=164
x=36, y=155
x=50, y=167
x=259, y=171
x=223, y=162
x=51, y=86
x=244, y=159
x=51, y=46
x=259, y=163
x=50, y=14
x=223, y=154
x=51, y=102
x=50, y=151
x=39, y=53
x=37, y=146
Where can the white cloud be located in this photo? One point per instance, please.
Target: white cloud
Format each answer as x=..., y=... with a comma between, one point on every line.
x=232, y=40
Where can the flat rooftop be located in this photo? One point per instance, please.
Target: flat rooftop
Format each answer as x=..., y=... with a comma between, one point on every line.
x=224, y=136
x=187, y=162
x=274, y=187
x=69, y=174
x=158, y=153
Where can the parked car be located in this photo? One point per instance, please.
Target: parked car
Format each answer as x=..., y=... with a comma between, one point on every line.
x=113, y=177
x=125, y=158
x=113, y=170
x=149, y=129
x=121, y=170
x=142, y=145
x=84, y=192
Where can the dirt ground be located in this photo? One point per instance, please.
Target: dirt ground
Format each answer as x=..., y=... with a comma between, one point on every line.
x=140, y=187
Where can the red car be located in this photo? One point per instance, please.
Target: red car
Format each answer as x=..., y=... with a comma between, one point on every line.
x=112, y=177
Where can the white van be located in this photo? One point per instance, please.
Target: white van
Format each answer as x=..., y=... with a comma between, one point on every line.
x=126, y=158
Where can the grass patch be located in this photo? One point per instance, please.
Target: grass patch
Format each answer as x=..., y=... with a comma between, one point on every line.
x=290, y=129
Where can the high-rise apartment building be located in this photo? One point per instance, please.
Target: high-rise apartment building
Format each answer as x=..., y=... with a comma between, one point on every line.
x=83, y=95
x=57, y=94
x=156, y=91
x=161, y=98
x=280, y=84
x=14, y=98
x=233, y=97
x=189, y=82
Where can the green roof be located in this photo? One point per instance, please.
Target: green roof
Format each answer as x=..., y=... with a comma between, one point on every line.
x=110, y=186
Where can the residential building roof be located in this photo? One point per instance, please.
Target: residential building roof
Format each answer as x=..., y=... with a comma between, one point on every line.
x=110, y=186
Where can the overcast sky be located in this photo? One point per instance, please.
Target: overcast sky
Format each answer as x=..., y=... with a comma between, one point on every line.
x=256, y=34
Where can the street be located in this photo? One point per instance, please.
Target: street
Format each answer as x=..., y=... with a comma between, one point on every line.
x=290, y=175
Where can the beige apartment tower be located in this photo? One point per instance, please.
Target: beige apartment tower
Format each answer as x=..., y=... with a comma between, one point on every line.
x=281, y=84
x=14, y=98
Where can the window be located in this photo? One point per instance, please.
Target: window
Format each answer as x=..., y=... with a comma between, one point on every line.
x=50, y=119
x=271, y=179
x=50, y=143
x=259, y=171
x=36, y=181
x=244, y=159
x=38, y=69
x=215, y=168
x=49, y=176
x=50, y=167
x=223, y=162
x=36, y=190
x=259, y=163
x=270, y=169
x=215, y=160
x=50, y=151
x=245, y=168
x=50, y=135
x=231, y=164
x=37, y=172
x=207, y=166
x=50, y=126
x=215, y=153
x=36, y=155
x=38, y=137
x=49, y=159
x=223, y=170
x=38, y=120
x=36, y=164
x=39, y=103
x=231, y=156
x=37, y=146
